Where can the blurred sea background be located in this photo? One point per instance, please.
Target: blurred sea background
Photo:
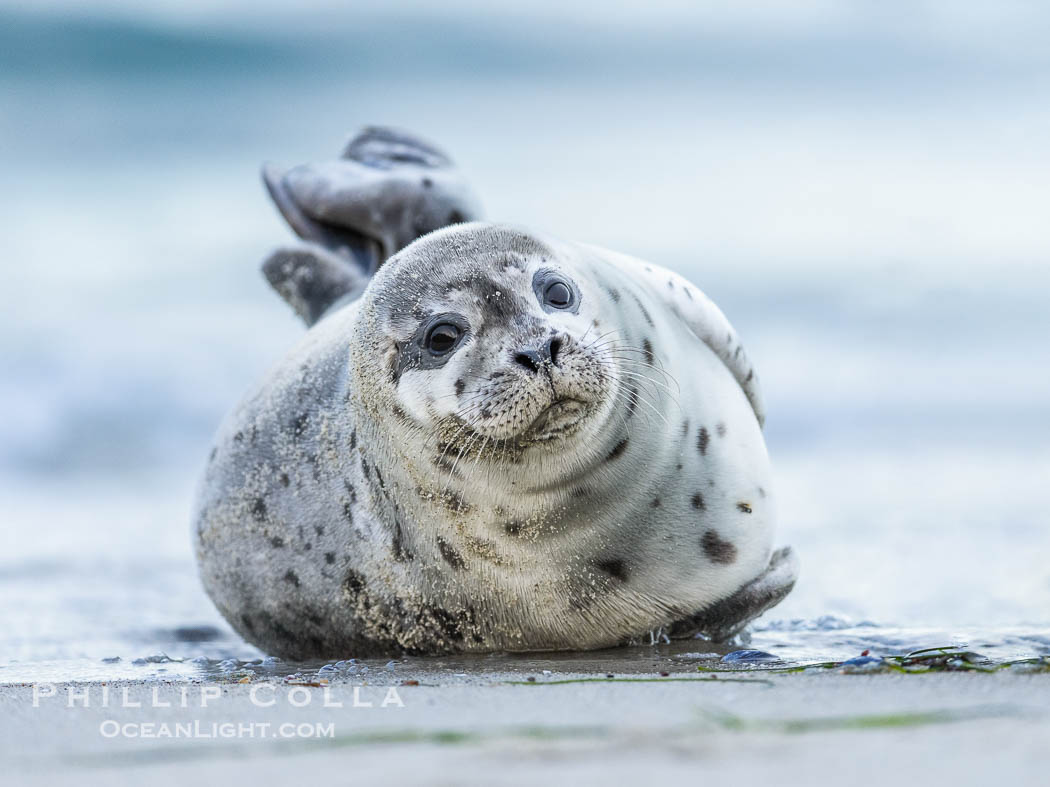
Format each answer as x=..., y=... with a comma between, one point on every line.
x=863, y=187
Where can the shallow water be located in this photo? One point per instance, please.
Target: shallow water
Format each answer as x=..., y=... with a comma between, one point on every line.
x=882, y=252
x=207, y=653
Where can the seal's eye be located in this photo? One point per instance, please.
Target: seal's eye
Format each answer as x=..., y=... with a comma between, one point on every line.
x=442, y=338
x=558, y=295
x=555, y=291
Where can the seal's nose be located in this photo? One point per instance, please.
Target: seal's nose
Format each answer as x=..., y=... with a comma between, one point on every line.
x=533, y=360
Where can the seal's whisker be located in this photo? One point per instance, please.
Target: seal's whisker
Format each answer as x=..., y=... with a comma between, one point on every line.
x=597, y=342
x=466, y=447
x=645, y=364
x=639, y=375
x=638, y=397
x=480, y=453
x=671, y=396
x=632, y=368
x=452, y=440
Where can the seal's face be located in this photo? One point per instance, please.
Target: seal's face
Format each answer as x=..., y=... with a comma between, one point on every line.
x=496, y=351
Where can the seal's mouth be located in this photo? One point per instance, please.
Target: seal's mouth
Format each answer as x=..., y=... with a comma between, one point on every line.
x=559, y=419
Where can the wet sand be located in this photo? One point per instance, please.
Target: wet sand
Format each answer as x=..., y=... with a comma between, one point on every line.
x=570, y=724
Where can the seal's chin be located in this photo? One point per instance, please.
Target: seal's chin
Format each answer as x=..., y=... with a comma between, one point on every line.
x=560, y=419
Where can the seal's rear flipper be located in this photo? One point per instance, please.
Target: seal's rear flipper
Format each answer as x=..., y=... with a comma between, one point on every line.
x=388, y=188
x=311, y=279
x=726, y=618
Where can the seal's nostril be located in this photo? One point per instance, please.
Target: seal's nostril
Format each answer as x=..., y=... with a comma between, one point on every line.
x=553, y=348
x=530, y=360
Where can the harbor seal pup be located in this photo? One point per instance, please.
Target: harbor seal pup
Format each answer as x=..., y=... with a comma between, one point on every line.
x=506, y=443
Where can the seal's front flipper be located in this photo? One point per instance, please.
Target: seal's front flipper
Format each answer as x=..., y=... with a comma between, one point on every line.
x=726, y=618
x=388, y=188
x=311, y=279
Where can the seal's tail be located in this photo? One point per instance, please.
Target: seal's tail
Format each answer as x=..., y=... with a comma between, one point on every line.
x=388, y=188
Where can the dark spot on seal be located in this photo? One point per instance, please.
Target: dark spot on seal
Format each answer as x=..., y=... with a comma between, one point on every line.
x=688, y=294
x=655, y=503
x=685, y=427
x=455, y=503
x=350, y=490
x=397, y=544
x=348, y=512
x=617, y=450
x=455, y=217
x=512, y=260
x=211, y=456
x=427, y=183
x=717, y=549
x=702, y=439
x=365, y=469
x=615, y=568
x=761, y=492
x=452, y=557
x=353, y=583
x=291, y=578
x=259, y=509
x=613, y=293
x=698, y=501
x=399, y=413
x=329, y=557
x=298, y=424
x=379, y=477
x=248, y=625
x=647, y=348
x=645, y=312
x=670, y=284
x=678, y=466
x=277, y=542
x=238, y=436
x=721, y=429
x=579, y=491
x=353, y=438
x=460, y=386
x=284, y=479
x=445, y=621
x=745, y=507
x=512, y=528
x=750, y=376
